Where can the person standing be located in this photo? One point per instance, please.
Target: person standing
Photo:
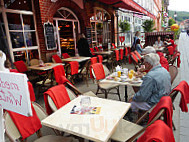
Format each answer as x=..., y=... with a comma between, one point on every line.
x=138, y=46
x=83, y=46
x=137, y=34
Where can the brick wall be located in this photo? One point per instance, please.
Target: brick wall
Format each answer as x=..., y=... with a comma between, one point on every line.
x=45, y=10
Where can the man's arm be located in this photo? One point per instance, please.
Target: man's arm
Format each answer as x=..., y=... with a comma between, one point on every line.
x=146, y=90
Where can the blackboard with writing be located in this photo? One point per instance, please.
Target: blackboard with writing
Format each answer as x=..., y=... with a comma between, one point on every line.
x=88, y=35
x=49, y=36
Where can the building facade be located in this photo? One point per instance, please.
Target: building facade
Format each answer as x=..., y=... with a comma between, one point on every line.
x=40, y=28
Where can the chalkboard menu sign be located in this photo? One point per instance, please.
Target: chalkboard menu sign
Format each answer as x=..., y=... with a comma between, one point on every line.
x=88, y=35
x=49, y=36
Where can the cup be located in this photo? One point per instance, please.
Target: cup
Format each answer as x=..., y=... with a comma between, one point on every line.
x=131, y=71
x=119, y=73
x=85, y=102
x=125, y=70
x=130, y=75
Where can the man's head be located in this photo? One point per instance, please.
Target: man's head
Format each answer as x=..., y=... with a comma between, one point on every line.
x=167, y=38
x=148, y=49
x=137, y=33
x=159, y=38
x=151, y=60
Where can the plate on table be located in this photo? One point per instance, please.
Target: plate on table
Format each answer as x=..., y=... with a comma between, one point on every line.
x=135, y=81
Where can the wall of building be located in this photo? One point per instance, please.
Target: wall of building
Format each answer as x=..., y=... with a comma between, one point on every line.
x=45, y=10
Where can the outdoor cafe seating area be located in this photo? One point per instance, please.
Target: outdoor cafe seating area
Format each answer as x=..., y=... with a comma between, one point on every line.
x=75, y=115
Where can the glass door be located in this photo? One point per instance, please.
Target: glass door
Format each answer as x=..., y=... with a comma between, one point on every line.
x=66, y=36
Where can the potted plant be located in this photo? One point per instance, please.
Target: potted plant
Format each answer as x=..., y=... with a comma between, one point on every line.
x=125, y=26
x=148, y=26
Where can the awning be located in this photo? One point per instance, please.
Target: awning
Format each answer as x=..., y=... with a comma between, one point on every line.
x=129, y=5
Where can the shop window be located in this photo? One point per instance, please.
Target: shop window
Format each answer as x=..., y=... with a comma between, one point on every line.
x=17, y=39
x=100, y=27
x=14, y=21
x=28, y=22
x=18, y=4
x=30, y=39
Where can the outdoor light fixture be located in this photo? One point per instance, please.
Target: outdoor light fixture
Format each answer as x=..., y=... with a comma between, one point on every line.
x=54, y=0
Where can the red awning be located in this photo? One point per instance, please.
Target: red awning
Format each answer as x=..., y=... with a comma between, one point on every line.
x=129, y=5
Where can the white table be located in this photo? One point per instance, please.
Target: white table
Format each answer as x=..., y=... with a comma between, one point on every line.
x=95, y=127
x=126, y=83
x=103, y=52
x=78, y=59
x=47, y=66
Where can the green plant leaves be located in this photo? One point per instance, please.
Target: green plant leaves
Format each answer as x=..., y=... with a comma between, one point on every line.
x=148, y=26
x=125, y=26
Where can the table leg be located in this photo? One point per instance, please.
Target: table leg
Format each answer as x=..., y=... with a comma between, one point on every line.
x=126, y=96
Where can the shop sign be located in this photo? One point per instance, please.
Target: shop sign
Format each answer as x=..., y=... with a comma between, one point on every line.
x=49, y=36
x=14, y=94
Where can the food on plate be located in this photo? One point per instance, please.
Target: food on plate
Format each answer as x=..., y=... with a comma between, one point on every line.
x=116, y=78
x=135, y=79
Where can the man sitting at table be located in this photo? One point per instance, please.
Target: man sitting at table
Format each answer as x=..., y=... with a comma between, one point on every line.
x=163, y=61
x=159, y=43
x=156, y=83
x=168, y=41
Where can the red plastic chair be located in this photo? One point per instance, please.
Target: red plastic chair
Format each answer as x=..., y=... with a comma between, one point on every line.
x=21, y=66
x=93, y=60
x=56, y=58
x=100, y=58
x=65, y=55
x=92, y=51
x=96, y=48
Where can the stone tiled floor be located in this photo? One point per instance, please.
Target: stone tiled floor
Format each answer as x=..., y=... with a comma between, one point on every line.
x=92, y=87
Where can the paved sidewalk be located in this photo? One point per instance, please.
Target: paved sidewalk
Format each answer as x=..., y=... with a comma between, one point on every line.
x=183, y=46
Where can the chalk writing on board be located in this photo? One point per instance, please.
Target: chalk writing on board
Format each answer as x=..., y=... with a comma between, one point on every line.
x=49, y=36
x=14, y=94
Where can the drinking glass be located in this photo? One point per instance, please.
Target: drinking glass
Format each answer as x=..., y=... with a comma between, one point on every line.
x=85, y=102
x=130, y=75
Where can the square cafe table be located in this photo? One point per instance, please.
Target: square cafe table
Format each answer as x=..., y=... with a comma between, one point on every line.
x=78, y=59
x=128, y=82
x=47, y=67
x=103, y=52
x=95, y=127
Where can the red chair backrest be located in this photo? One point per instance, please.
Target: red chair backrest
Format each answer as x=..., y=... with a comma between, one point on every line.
x=134, y=57
x=113, y=45
x=98, y=71
x=170, y=49
x=138, y=55
x=121, y=54
x=57, y=59
x=100, y=58
x=74, y=65
x=21, y=66
x=126, y=51
x=92, y=51
x=93, y=60
x=58, y=72
x=65, y=55
x=96, y=48
x=117, y=55
x=100, y=47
